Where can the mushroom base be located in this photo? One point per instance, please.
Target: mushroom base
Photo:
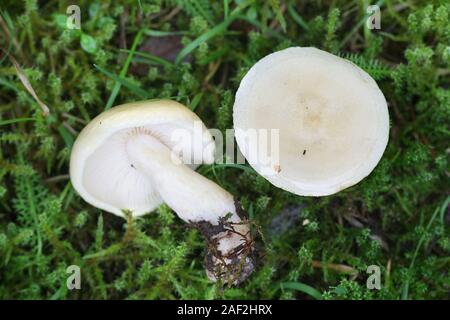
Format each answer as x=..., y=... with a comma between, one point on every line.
x=234, y=264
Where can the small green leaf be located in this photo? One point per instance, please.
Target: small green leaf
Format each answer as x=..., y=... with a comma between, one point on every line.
x=60, y=20
x=94, y=9
x=88, y=43
x=104, y=21
x=252, y=13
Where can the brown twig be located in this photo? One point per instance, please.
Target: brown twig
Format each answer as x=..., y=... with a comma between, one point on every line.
x=58, y=178
x=337, y=267
x=9, y=37
x=26, y=83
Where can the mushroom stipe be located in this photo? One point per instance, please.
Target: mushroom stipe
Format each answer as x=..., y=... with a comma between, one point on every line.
x=236, y=266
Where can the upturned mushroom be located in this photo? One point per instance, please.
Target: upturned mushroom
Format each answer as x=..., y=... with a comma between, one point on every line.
x=126, y=160
x=332, y=119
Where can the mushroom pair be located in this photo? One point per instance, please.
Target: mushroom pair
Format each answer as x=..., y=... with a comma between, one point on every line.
x=333, y=128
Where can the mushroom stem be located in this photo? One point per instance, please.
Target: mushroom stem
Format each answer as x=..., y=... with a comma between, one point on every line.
x=201, y=203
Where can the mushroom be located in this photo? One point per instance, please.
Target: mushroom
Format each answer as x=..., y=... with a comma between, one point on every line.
x=125, y=160
x=331, y=117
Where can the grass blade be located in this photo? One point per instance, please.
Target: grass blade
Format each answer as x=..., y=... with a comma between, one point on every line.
x=123, y=72
x=297, y=18
x=132, y=87
x=440, y=209
x=10, y=121
x=66, y=136
x=299, y=286
x=151, y=57
x=26, y=83
x=219, y=29
x=158, y=33
x=196, y=101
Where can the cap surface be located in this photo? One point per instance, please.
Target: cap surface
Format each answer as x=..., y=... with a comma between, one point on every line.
x=102, y=172
x=332, y=119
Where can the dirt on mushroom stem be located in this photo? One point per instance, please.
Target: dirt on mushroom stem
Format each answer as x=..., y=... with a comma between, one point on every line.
x=235, y=266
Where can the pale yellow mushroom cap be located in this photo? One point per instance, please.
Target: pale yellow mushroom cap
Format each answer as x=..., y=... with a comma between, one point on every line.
x=100, y=168
x=332, y=119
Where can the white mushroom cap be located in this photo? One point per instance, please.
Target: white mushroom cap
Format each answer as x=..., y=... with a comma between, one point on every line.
x=100, y=168
x=332, y=119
